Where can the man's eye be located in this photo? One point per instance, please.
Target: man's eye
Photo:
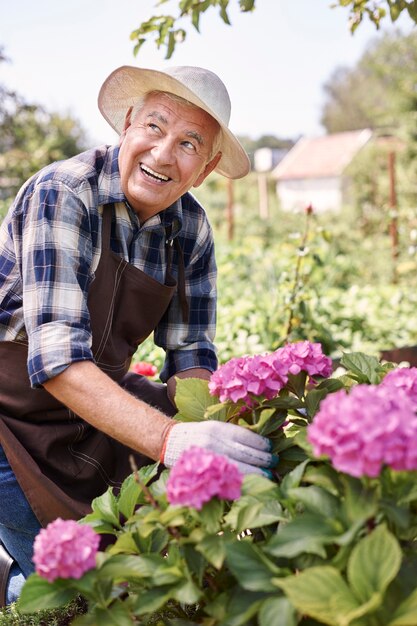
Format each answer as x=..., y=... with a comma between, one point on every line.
x=189, y=145
x=153, y=127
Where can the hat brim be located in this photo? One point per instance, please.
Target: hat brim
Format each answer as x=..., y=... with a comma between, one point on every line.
x=127, y=84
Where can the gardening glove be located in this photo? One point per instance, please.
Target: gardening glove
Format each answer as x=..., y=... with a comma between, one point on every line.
x=249, y=451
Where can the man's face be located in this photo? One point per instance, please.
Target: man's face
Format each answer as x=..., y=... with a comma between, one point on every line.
x=164, y=151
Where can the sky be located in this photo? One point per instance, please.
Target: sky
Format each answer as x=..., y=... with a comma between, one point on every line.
x=273, y=61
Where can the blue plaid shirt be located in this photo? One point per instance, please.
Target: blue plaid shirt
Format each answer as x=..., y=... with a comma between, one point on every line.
x=50, y=245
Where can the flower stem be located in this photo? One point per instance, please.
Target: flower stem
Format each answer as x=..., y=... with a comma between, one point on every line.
x=295, y=287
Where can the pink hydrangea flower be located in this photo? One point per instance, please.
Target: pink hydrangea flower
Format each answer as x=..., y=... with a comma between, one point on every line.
x=263, y=376
x=304, y=356
x=65, y=549
x=372, y=426
x=199, y=475
x=404, y=378
x=245, y=377
x=144, y=368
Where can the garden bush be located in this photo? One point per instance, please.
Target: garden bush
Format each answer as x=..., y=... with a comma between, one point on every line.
x=327, y=537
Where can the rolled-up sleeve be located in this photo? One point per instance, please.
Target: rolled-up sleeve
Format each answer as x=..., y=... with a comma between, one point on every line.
x=190, y=345
x=56, y=273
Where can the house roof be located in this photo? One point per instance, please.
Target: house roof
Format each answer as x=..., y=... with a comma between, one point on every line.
x=321, y=157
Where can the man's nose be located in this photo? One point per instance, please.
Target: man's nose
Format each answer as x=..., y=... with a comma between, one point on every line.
x=164, y=150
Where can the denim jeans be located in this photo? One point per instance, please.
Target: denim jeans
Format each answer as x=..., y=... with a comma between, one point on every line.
x=18, y=528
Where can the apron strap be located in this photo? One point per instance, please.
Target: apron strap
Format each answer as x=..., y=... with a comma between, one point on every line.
x=106, y=227
x=185, y=309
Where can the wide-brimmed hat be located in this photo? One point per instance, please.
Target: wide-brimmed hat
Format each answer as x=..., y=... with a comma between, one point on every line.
x=201, y=87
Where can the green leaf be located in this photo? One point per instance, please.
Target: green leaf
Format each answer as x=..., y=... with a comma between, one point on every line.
x=242, y=606
x=313, y=399
x=293, y=478
x=128, y=567
x=213, y=548
x=186, y=592
x=323, y=476
x=37, y=594
x=246, y=5
x=330, y=385
x=373, y=564
x=360, y=502
x=316, y=500
x=365, y=368
x=250, y=566
x=106, y=506
x=192, y=398
x=211, y=515
x=321, y=593
x=151, y=600
x=128, y=497
x=406, y=613
x=277, y=612
x=217, y=412
x=308, y=533
x=251, y=512
x=125, y=544
x=297, y=383
x=118, y=614
x=195, y=562
x=254, y=484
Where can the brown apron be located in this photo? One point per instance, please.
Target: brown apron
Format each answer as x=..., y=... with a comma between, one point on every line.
x=60, y=461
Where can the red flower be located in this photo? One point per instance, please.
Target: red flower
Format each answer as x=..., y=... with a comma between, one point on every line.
x=144, y=369
x=309, y=209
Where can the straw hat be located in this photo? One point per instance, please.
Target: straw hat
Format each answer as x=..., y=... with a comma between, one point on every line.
x=199, y=86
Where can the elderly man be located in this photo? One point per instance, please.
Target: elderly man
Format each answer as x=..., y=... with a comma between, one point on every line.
x=97, y=252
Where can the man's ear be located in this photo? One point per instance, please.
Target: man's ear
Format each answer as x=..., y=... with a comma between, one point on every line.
x=127, y=123
x=211, y=165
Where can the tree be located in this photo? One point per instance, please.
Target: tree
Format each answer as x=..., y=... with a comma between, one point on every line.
x=378, y=92
x=170, y=29
x=30, y=138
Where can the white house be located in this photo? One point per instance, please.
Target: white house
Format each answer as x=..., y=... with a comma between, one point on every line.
x=313, y=171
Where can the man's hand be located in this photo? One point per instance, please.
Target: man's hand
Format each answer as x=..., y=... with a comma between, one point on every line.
x=249, y=451
x=195, y=372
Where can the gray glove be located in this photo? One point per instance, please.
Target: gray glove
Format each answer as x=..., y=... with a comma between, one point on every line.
x=249, y=451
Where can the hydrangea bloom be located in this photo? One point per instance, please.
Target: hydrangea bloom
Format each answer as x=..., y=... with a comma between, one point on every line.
x=372, y=426
x=144, y=368
x=65, y=549
x=199, y=474
x=304, y=356
x=403, y=378
x=246, y=378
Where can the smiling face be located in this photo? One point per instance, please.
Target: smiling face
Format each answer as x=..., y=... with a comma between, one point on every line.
x=164, y=151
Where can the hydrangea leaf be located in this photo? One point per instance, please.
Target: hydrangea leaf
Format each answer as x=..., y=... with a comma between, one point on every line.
x=321, y=593
x=316, y=500
x=116, y=615
x=252, y=512
x=211, y=515
x=277, y=612
x=374, y=563
x=251, y=566
x=106, y=506
x=365, y=368
x=151, y=600
x=131, y=489
x=309, y=533
x=213, y=548
x=192, y=398
x=37, y=594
